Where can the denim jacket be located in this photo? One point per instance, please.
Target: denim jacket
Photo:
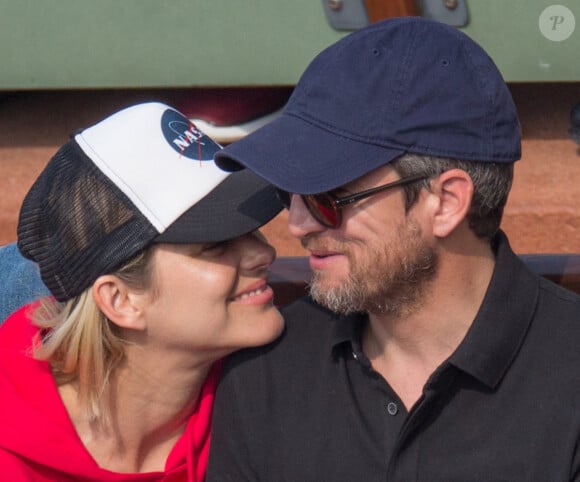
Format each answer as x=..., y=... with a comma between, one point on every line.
x=20, y=281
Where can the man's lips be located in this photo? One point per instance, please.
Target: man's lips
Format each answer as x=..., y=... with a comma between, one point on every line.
x=317, y=253
x=322, y=252
x=322, y=259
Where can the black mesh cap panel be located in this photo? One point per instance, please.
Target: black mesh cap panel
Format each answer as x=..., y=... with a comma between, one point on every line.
x=77, y=226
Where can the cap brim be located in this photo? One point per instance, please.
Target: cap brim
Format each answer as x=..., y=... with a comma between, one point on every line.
x=300, y=157
x=242, y=203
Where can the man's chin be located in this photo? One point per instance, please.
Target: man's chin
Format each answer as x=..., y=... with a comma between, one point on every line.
x=334, y=296
x=325, y=283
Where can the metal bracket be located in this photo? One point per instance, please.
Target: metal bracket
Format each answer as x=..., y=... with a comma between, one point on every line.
x=346, y=14
x=352, y=14
x=451, y=12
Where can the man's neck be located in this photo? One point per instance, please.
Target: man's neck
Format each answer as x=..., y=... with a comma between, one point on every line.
x=406, y=348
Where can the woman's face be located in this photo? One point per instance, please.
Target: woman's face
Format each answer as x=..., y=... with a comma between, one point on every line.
x=212, y=297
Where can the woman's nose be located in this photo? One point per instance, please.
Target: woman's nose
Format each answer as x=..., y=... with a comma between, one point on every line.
x=256, y=253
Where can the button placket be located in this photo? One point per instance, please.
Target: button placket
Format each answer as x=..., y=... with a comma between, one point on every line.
x=392, y=408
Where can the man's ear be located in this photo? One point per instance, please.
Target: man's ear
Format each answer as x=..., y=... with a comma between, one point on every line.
x=118, y=303
x=454, y=191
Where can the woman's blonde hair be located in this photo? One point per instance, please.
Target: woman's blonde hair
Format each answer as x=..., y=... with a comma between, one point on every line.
x=81, y=345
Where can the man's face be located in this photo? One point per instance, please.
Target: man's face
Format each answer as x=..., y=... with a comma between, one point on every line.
x=378, y=261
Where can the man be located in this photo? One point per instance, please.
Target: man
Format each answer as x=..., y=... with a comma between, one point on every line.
x=20, y=281
x=427, y=350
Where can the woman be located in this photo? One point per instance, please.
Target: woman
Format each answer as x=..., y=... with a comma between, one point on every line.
x=157, y=272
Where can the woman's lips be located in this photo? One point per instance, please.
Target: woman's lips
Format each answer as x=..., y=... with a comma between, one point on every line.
x=257, y=293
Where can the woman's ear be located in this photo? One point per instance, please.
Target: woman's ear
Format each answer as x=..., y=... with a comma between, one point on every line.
x=454, y=190
x=118, y=303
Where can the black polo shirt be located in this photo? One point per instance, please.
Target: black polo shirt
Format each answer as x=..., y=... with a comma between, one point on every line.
x=504, y=407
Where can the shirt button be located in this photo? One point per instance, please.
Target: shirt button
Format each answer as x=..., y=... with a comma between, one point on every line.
x=392, y=408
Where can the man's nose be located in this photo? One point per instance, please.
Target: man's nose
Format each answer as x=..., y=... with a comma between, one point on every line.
x=300, y=222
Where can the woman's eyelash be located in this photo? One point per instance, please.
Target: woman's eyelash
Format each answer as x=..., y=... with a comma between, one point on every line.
x=213, y=246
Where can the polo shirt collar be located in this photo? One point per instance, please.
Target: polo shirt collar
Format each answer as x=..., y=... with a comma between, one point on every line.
x=348, y=329
x=500, y=326
x=498, y=330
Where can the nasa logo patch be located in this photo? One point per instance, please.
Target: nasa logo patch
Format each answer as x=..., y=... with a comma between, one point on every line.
x=185, y=138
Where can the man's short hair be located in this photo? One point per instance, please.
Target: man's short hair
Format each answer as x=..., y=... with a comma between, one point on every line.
x=491, y=185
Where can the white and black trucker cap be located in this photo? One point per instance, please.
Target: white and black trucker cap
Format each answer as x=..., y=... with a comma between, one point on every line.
x=143, y=175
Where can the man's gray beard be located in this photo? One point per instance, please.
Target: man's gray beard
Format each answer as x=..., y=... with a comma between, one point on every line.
x=391, y=280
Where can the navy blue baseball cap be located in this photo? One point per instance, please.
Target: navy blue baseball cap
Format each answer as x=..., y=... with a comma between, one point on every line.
x=403, y=85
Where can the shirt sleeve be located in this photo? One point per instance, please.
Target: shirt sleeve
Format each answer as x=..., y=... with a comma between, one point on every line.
x=575, y=472
x=20, y=282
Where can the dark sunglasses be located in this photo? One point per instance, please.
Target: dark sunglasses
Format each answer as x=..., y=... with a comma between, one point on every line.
x=325, y=207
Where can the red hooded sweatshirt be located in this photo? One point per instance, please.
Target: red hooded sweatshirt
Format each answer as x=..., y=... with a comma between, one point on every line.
x=38, y=441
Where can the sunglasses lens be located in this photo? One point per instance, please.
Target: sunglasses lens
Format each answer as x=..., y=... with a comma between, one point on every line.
x=322, y=208
x=285, y=198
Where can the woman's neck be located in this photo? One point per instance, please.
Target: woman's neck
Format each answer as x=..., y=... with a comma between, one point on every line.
x=149, y=407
